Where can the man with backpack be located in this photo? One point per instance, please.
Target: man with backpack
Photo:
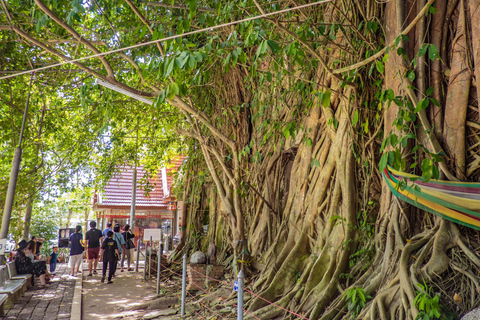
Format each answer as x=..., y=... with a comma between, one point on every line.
x=120, y=240
x=110, y=256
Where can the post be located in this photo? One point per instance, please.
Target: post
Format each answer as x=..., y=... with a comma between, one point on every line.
x=150, y=259
x=145, y=264
x=240, y=296
x=138, y=255
x=12, y=183
x=184, y=283
x=159, y=269
x=134, y=198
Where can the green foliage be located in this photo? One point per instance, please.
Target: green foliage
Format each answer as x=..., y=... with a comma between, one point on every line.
x=356, y=299
x=430, y=307
x=366, y=230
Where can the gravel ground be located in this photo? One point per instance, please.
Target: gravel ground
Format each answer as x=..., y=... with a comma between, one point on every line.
x=472, y=315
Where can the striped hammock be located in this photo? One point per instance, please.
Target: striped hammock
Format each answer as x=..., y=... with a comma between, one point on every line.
x=455, y=201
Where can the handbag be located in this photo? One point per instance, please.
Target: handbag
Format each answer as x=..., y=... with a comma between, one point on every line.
x=130, y=244
x=128, y=241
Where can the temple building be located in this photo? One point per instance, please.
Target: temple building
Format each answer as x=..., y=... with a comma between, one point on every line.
x=155, y=207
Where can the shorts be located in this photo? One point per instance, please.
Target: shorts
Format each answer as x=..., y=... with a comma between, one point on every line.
x=75, y=261
x=93, y=253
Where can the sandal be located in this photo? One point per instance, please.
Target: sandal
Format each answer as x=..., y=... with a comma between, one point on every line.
x=44, y=286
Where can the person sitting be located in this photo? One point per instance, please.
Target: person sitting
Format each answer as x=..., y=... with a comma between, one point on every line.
x=25, y=265
x=32, y=247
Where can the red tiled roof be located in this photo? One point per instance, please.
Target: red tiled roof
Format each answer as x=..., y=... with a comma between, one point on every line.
x=118, y=191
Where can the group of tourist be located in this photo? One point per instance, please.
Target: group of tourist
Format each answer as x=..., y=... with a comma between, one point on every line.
x=28, y=260
x=111, y=245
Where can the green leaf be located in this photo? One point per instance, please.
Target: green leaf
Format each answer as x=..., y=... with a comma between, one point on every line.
x=174, y=89
x=169, y=67
x=192, y=61
x=422, y=104
x=380, y=66
x=262, y=48
x=274, y=46
x=192, y=5
x=393, y=139
x=411, y=75
x=429, y=91
x=432, y=52
x=355, y=118
x=422, y=50
x=198, y=56
x=326, y=98
x=435, y=102
x=383, y=162
x=426, y=166
x=435, y=172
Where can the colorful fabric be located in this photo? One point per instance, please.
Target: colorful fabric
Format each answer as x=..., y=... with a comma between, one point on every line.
x=455, y=201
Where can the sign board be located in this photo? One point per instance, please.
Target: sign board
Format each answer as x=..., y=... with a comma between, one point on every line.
x=3, y=242
x=64, y=236
x=155, y=234
x=235, y=285
x=180, y=207
x=166, y=215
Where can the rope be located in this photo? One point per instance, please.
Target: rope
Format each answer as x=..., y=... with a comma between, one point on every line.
x=196, y=300
x=234, y=263
x=208, y=292
x=256, y=295
x=222, y=282
x=227, y=284
x=209, y=29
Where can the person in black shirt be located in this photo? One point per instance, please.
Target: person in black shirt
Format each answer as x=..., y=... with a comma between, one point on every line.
x=129, y=247
x=94, y=238
x=110, y=256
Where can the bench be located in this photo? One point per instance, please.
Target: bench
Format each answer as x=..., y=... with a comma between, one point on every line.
x=3, y=299
x=14, y=289
x=12, y=272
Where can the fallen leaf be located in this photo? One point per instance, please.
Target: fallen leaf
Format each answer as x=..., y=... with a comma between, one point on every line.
x=457, y=298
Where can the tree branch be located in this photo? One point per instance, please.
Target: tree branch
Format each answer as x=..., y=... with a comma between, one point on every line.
x=80, y=65
x=82, y=40
x=176, y=6
x=381, y=52
x=146, y=23
x=202, y=117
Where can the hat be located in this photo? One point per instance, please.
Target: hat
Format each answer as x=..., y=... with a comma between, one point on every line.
x=22, y=245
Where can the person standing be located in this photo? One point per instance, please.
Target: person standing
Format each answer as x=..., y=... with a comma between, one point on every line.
x=108, y=228
x=94, y=238
x=76, y=250
x=53, y=259
x=117, y=236
x=129, y=247
x=110, y=256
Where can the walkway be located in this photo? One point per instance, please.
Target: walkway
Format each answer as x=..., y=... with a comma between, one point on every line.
x=51, y=303
x=107, y=301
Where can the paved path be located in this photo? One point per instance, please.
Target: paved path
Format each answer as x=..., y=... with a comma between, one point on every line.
x=51, y=303
x=103, y=300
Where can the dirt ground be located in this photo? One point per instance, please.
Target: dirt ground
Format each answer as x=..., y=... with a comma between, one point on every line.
x=130, y=297
x=105, y=301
